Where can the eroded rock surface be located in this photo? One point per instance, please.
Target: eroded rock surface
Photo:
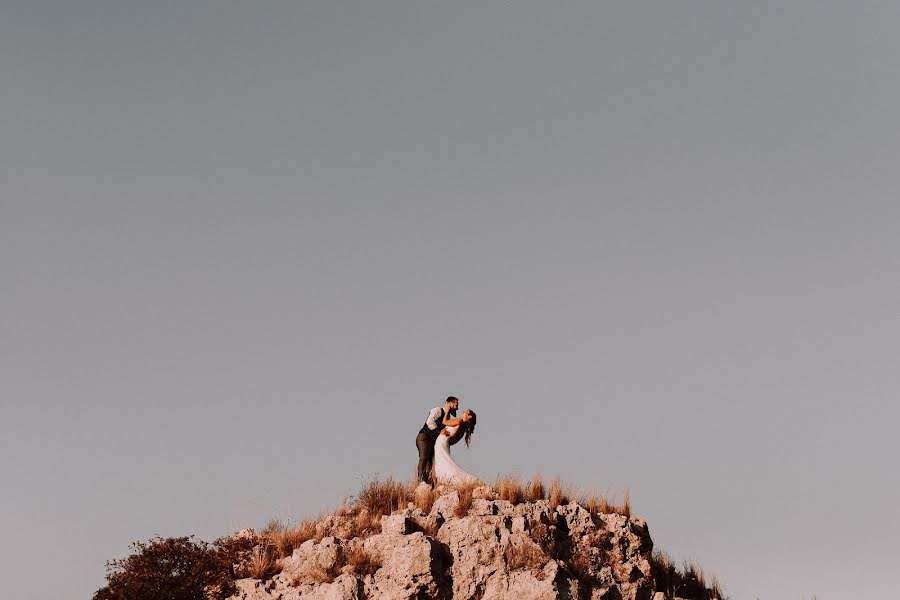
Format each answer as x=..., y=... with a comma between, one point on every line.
x=496, y=550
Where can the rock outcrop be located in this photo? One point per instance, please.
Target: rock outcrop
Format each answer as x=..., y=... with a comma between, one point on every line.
x=495, y=550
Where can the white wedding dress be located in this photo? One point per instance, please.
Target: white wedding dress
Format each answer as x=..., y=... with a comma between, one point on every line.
x=445, y=469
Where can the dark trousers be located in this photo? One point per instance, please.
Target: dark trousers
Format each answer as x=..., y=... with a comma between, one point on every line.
x=425, y=444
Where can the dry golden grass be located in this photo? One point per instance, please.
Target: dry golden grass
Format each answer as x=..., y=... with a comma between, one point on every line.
x=579, y=565
x=384, y=497
x=465, y=499
x=535, y=489
x=556, y=496
x=284, y=539
x=524, y=555
x=599, y=504
x=362, y=562
x=424, y=497
x=262, y=563
x=318, y=574
x=365, y=524
x=509, y=488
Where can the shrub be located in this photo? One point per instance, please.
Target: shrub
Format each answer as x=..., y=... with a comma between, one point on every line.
x=179, y=568
x=689, y=583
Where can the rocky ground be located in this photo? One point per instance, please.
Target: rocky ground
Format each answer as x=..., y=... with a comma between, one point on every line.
x=490, y=549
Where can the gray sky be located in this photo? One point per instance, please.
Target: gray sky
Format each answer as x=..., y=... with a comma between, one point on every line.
x=245, y=247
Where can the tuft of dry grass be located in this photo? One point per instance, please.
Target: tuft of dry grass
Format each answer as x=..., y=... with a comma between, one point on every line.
x=535, y=489
x=523, y=555
x=598, y=504
x=694, y=571
x=465, y=499
x=509, y=488
x=365, y=524
x=424, y=497
x=556, y=496
x=318, y=574
x=262, y=563
x=383, y=497
x=284, y=539
x=579, y=565
x=689, y=582
x=362, y=562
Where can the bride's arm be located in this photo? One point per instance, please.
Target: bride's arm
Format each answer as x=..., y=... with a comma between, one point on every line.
x=448, y=422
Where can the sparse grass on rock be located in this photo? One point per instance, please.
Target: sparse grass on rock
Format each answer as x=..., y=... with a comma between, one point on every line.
x=532, y=537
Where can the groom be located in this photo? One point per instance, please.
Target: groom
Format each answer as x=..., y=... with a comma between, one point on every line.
x=429, y=433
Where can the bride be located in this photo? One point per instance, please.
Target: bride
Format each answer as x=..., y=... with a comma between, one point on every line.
x=445, y=468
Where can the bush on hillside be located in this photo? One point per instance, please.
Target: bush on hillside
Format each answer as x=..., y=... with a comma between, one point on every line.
x=180, y=568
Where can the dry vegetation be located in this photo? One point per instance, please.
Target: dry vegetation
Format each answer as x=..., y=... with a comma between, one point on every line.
x=687, y=582
x=358, y=559
x=261, y=555
x=262, y=563
x=512, y=489
x=527, y=556
x=465, y=499
x=283, y=539
x=363, y=562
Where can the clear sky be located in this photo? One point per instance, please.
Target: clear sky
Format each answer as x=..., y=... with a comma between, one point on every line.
x=245, y=247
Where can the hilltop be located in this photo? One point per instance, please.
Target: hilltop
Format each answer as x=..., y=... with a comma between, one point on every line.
x=395, y=541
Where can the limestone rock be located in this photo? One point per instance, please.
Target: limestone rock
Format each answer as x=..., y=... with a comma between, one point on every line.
x=497, y=551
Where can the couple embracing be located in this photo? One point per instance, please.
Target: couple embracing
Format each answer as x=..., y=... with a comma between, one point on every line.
x=441, y=430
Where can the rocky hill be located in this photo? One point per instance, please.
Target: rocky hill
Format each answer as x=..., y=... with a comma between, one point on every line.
x=463, y=544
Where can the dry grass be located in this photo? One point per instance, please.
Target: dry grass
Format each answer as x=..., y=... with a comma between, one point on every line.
x=599, y=504
x=365, y=524
x=465, y=499
x=523, y=555
x=284, y=539
x=383, y=497
x=424, y=497
x=509, y=488
x=535, y=489
x=262, y=563
x=556, y=496
x=715, y=589
x=318, y=574
x=579, y=565
x=362, y=562
x=695, y=572
x=689, y=582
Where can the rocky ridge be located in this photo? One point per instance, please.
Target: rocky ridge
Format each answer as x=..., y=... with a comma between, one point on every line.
x=491, y=549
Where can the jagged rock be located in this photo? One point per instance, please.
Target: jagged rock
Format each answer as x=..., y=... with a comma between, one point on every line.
x=446, y=504
x=401, y=524
x=498, y=551
x=411, y=566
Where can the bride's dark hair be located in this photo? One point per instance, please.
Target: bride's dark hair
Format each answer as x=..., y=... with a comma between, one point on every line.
x=470, y=427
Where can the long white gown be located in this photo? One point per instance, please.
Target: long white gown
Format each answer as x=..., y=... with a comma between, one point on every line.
x=445, y=468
